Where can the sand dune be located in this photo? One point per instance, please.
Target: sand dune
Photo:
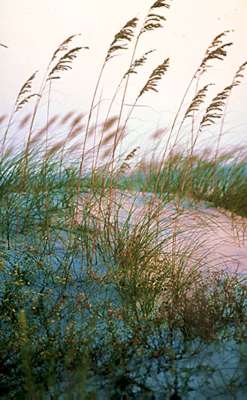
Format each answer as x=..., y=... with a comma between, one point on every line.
x=219, y=240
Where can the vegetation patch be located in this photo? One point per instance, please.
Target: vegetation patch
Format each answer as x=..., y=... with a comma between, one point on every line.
x=103, y=299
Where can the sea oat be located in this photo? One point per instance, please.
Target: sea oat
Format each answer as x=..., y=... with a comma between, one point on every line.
x=2, y=118
x=216, y=108
x=138, y=63
x=153, y=19
x=122, y=38
x=67, y=117
x=64, y=46
x=197, y=101
x=155, y=77
x=24, y=94
x=24, y=121
x=217, y=50
x=64, y=63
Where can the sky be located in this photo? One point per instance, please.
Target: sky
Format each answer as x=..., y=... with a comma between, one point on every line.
x=32, y=30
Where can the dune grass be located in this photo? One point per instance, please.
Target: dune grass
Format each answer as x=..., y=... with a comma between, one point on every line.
x=83, y=303
x=99, y=297
x=222, y=182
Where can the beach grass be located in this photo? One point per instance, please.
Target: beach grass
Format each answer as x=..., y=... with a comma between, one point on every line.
x=101, y=296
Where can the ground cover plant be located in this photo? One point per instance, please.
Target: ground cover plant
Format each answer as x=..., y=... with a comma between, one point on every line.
x=100, y=295
x=221, y=182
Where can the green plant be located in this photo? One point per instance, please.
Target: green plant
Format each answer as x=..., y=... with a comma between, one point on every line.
x=103, y=294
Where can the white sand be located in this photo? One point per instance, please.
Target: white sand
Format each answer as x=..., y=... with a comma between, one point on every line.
x=218, y=239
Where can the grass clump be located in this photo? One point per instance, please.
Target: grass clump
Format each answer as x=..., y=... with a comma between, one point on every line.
x=86, y=304
x=221, y=182
x=103, y=292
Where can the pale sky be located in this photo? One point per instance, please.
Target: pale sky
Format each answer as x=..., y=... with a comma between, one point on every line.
x=33, y=29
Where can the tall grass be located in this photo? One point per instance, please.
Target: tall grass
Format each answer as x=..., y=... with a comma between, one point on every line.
x=221, y=182
x=101, y=295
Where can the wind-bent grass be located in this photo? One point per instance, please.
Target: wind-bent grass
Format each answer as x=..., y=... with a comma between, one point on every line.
x=93, y=291
x=103, y=294
x=221, y=182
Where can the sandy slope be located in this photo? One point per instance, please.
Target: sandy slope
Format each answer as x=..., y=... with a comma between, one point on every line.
x=219, y=240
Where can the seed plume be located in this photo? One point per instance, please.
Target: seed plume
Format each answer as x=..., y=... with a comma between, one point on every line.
x=239, y=74
x=197, y=101
x=217, y=50
x=24, y=94
x=139, y=62
x=122, y=38
x=155, y=76
x=216, y=108
x=153, y=19
x=64, y=63
x=64, y=46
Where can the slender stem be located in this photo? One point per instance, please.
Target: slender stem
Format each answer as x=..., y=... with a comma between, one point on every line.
x=123, y=101
x=172, y=128
x=6, y=132
x=89, y=120
x=106, y=119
